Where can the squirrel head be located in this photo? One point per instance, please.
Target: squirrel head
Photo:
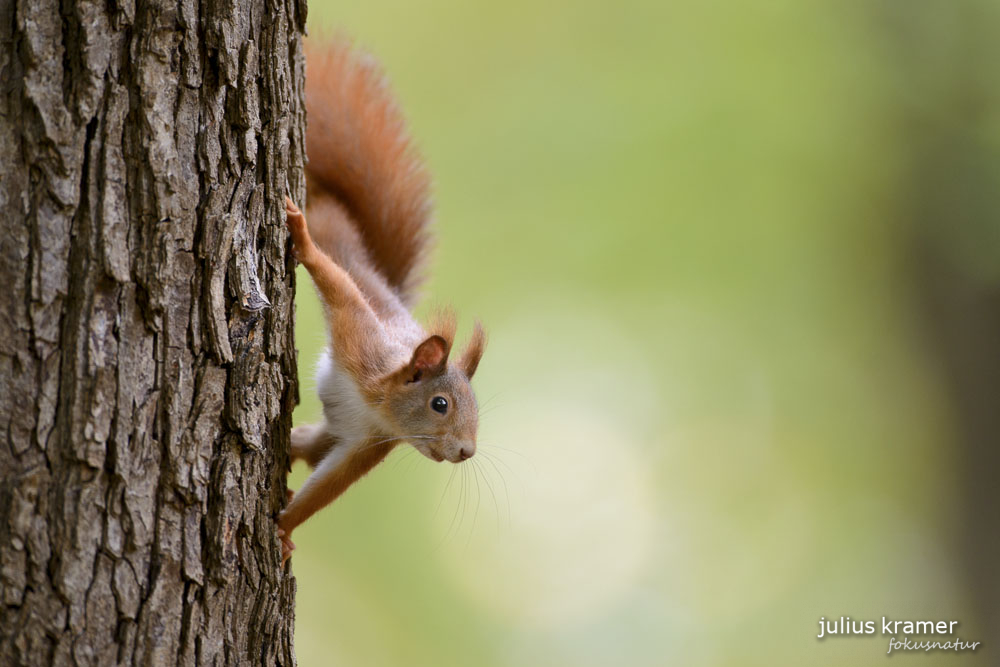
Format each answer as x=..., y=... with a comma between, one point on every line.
x=431, y=399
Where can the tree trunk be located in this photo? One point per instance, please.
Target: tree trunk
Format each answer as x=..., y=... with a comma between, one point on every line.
x=146, y=350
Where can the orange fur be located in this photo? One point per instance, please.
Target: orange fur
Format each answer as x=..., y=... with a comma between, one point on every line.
x=361, y=154
x=321, y=490
x=352, y=319
x=373, y=378
x=473, y=352
x=362, y=244
x=444, y=323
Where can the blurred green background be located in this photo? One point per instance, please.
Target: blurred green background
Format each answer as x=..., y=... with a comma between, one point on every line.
x=740, y=266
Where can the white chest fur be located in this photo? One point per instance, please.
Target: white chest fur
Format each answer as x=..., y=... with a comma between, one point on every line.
x=348, y=417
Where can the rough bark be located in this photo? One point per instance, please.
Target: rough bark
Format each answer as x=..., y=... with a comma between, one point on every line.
x=146, y=353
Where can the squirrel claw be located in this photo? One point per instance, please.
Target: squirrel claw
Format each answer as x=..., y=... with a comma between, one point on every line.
x=287, y=546
x=296, y=222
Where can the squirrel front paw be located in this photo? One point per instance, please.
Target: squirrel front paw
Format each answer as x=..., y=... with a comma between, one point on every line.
x=287, y=546
x=302, y=243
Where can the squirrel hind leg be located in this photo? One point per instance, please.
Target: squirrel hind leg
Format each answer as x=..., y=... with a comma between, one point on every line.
x=311, y=443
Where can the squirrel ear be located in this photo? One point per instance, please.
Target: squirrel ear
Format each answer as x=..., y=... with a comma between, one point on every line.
x=430, y=357
x=473, y=351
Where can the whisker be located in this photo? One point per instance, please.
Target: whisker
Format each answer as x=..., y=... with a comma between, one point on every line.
x=445, y=492
x=506, y=491
x=467, y=503
x=489, y=400
x=367, y=445
x=489, y=486
x=475, y=515
x=507, y=449
x=407, y=454
x=414, y=460
x=454, y=516
x=371, y=445
x=462, y=504
x=495, y=457
x=486, y=411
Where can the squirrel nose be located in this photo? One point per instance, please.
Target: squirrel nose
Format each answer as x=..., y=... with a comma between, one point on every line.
x=465, y=453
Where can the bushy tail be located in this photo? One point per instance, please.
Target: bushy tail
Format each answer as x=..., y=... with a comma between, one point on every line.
x=361, y=154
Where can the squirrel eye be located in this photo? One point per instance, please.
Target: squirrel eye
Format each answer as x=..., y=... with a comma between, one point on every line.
x=439, y=404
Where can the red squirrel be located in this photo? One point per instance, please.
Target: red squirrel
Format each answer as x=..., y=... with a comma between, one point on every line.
x=383, y=378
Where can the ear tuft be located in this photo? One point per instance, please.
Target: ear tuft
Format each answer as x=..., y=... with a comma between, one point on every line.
x=473, y=351
x=443, y=323
x=430, y=357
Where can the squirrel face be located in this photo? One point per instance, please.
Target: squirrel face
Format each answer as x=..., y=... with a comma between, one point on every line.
x=432, y=403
